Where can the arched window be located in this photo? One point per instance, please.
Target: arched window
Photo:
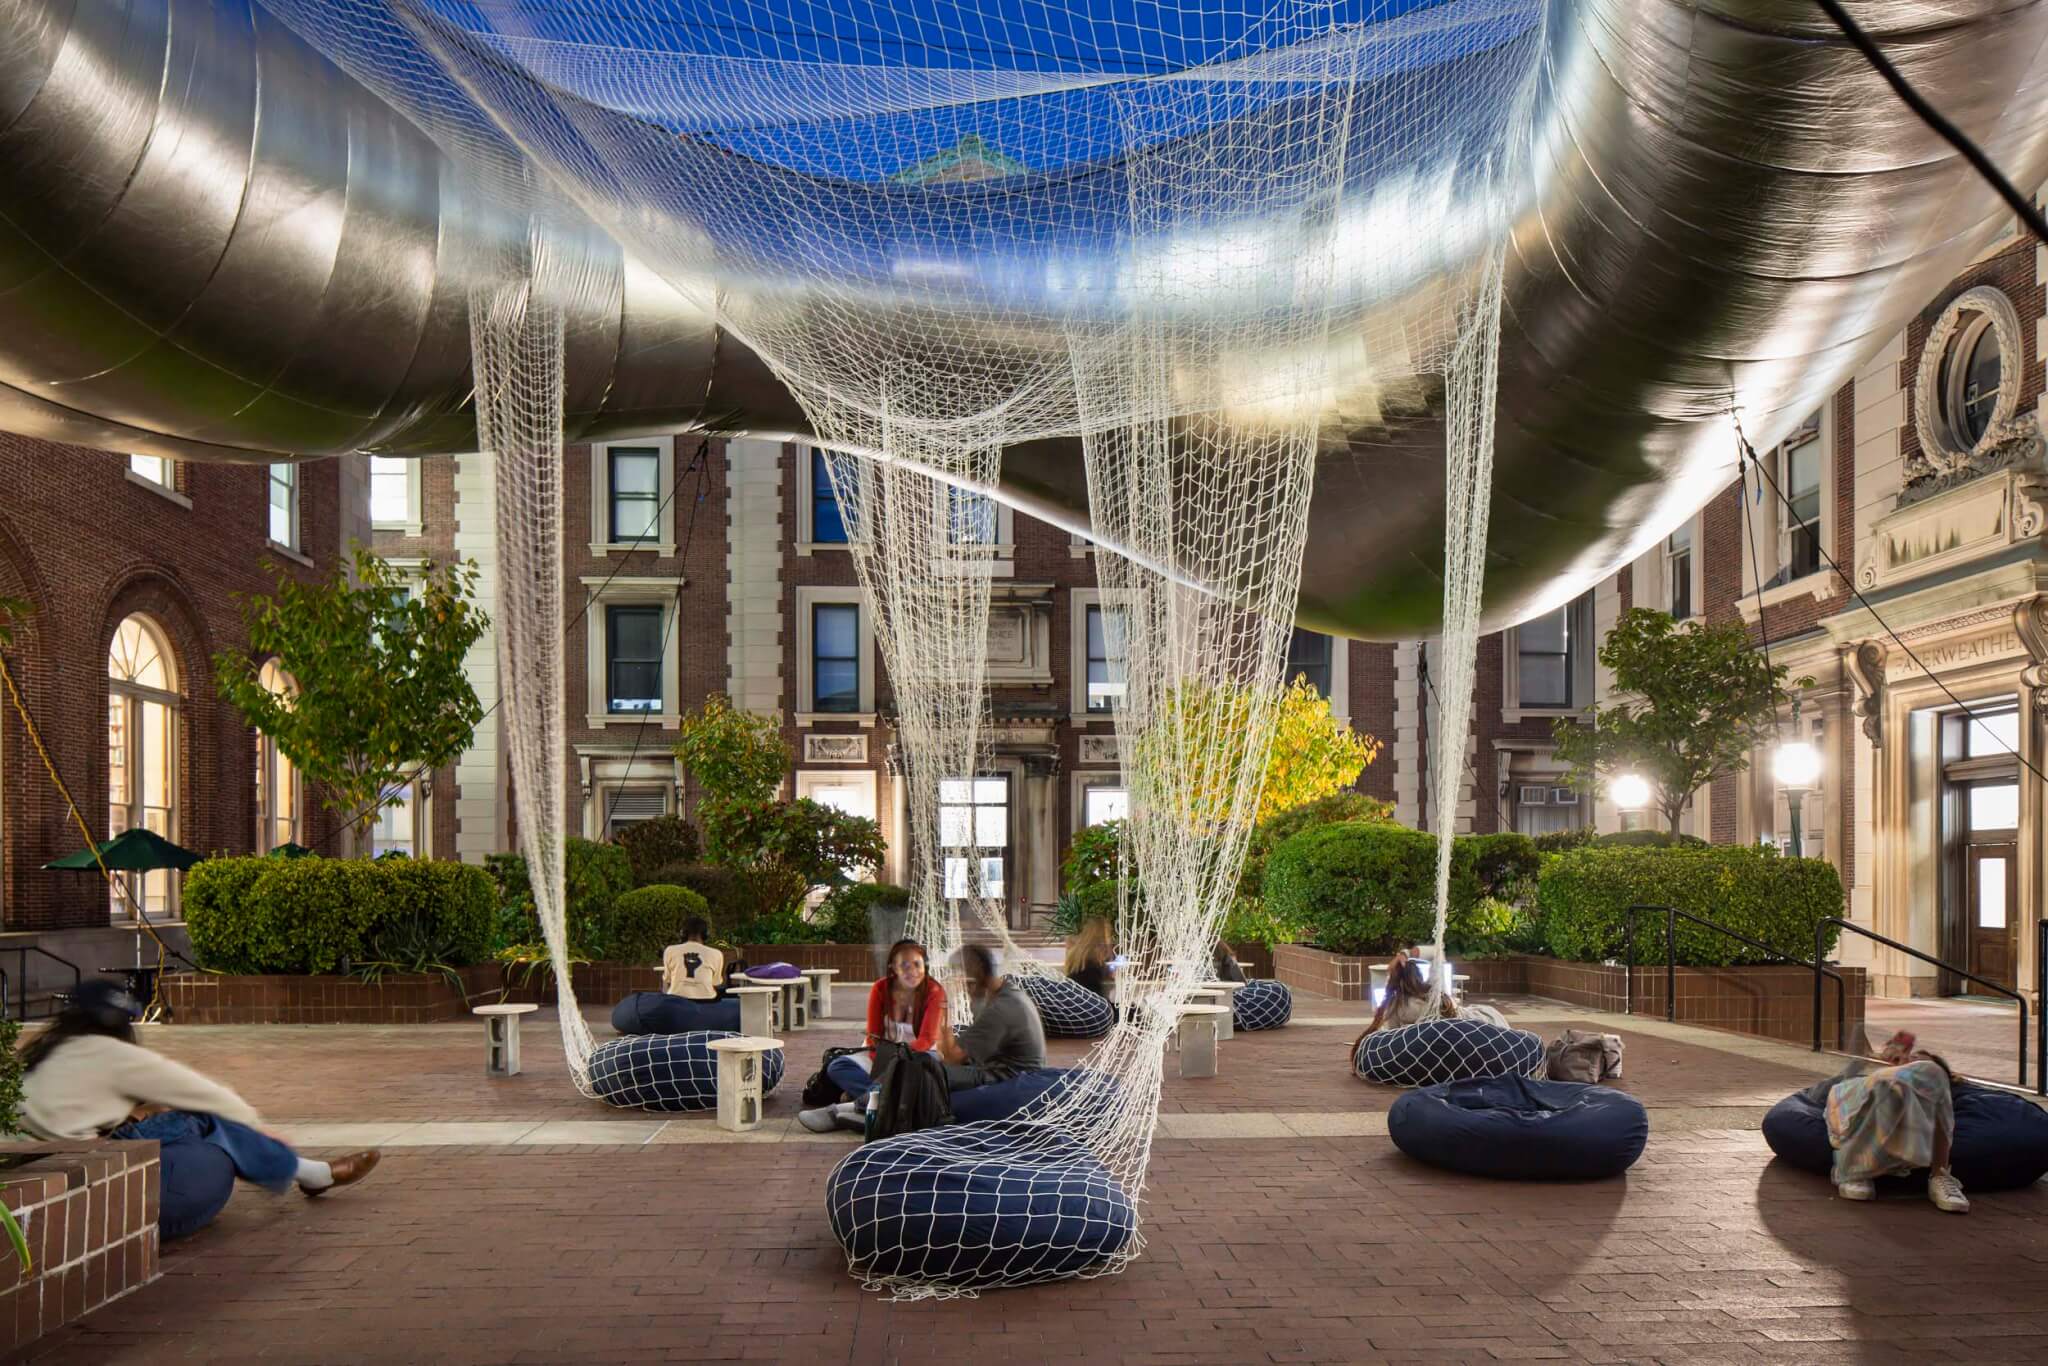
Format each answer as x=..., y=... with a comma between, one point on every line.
x=277, y=780
x=142, y=750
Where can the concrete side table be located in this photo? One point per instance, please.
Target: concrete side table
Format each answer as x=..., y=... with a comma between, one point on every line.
x=739, y=1081
x=778, y=1022
x=796, y=1002
x=756, y=1005
x=821, y=991
x=1198, y=1029
x=501, y=1037
x=1224, y=994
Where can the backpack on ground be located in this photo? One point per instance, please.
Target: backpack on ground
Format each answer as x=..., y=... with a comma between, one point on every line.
x=1583, y=1055
x=912, y=1092
x=821, y=1089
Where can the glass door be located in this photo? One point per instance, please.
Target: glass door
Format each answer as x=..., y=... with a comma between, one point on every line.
x=1994, y=913
x=974, y=838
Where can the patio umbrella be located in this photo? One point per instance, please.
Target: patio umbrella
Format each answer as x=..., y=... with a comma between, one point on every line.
x=289, y=849
x=132, y=851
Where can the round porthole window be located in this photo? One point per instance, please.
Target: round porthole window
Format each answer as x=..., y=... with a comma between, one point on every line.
x=1968, y=388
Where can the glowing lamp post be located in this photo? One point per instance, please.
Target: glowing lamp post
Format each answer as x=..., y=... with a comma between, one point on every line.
x=1796, y=766
x=1631, y=794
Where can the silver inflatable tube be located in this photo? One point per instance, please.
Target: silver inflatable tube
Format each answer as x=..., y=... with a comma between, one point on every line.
x=216, y=244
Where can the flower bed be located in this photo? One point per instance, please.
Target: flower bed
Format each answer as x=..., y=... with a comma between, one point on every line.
x=1766, y=1001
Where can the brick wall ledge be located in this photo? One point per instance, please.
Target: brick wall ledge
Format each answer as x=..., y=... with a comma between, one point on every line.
x=88, y=1211
x=1767, y=1001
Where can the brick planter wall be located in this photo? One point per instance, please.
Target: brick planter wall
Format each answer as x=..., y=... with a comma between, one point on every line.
x=597, y=984
x=89, y=1213
x=1257, y=958
x=423, y=998
x=1319, y=972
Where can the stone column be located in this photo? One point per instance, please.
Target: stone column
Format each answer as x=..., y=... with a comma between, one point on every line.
x=1039, y=825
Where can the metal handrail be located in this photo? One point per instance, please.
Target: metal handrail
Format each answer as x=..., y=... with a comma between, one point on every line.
x=1819, y=933
x=21, y=953
x=1672, y=915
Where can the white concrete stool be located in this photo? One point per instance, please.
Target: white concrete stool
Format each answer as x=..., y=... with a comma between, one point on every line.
x=1198, y=1028
x=739, y=1081
x=796, y=1002
x=501, y=1038
x=756, y=1006
x=821, y=991
x=777, y=1022
x=1224, y=994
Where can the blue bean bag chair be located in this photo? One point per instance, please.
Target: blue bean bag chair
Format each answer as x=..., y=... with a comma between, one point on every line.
x=194, y=1180
x=969, y=1206
x=1519, y=1129
x=1029, y=1095
x=1447, y=1050
x=657, y=1012
x=667, y=1071
x=1068, y=1009
x=1261, y=1004
x=2001, y=1140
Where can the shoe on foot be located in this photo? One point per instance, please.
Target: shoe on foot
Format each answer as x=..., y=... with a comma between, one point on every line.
x=348, y=1170
x=1946, y=1192
x=850, y=1115
x=819, y=1121
x=1857, y=1190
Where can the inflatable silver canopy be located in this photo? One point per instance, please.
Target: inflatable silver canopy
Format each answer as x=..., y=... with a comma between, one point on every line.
x=215, y=245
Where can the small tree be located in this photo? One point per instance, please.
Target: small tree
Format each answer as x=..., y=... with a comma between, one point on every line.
x=381, y=688
x=1313, y=754
x=1694, y=701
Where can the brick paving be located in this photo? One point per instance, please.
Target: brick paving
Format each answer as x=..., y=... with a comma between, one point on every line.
x=1275, y=1248
x=1980, y=1038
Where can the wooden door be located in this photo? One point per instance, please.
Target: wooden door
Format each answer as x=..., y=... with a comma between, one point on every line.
x=1992, y=906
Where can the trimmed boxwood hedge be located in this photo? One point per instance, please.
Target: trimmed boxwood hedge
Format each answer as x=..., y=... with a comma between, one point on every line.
x=1585, y=894
x=648, y=919
x=1365, y=886
x=269, y=915
x=594, y=875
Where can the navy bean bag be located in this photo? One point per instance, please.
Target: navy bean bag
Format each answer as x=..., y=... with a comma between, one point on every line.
x=657, y=1012
x=1447, y=1050
x=2001, y=1140
x=1029, y=1095
x=1261, y=1004
x=969, y=1206
x=1068, y=1009
x=667, y=1071
x=1520, y=1129
x=194, y=1180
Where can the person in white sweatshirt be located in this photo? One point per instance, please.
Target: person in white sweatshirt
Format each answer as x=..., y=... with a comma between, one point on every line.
x=86, y=1077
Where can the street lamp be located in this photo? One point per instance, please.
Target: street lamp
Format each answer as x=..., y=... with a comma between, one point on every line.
x=1796, y=766
x=1631, y=793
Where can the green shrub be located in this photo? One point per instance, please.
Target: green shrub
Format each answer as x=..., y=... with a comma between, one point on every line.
x=656, y=844
x=648, y=919
x=1365, y=886
x=1505, y=865
x=1066, y=916
x=597, y=874
x=1349, y=805
x=844, y=914
x=1092, y=856
x=786, y=926
x=1585, y=894
x=263, y=915
x=1557, y=841
x=1648, y=839
x=1488, y=928
x=10, y=1077
x=734, y=896
x=1252, y=920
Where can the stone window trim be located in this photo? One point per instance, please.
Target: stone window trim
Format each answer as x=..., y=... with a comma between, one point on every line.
x=168, y=491
x=1695, y=579
x=1955, y=324
x=412, y=524
x=807, y=598
x=1003, y=551
x=602, y=591
x=604, y=770
x=1080, y=783
x=806, y=505
x=286, y=474
x=601, y=542
x=1340, y=676
x=1580, y=664
x=1078, y=602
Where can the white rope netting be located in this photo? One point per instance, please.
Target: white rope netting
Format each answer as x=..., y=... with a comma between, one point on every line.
x=1198, y=238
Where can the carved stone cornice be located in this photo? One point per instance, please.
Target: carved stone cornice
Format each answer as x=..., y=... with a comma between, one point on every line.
x=2030, y=623
x=1864, y=662
x=1939, y=453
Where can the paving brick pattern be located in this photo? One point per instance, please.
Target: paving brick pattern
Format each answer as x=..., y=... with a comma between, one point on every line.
x=1266, y=1248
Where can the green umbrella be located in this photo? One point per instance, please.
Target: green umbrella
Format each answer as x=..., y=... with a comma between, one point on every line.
x=132, y=851
x=292, y=850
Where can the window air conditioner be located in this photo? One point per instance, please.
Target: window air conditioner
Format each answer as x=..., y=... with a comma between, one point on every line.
x=1564, y=796
x=1533, y=796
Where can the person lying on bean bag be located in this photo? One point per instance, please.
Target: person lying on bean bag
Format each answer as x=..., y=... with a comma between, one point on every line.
x=1893, y=1120
x=1407, y=1002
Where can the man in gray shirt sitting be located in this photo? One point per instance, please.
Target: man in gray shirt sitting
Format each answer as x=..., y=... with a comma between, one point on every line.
x=1005, y=1037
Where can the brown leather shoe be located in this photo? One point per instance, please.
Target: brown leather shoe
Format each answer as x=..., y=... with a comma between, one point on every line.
x=349, y=1170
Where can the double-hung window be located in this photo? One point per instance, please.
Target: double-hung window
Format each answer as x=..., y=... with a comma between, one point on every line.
x=284, y=504
x=634, y=481
x=1678, y=571
x=828, y=517
x=1309, y=656
x=633, y=659
x=1105, y=632
x=970, y=517
x=1799, y=475
x=835, y=657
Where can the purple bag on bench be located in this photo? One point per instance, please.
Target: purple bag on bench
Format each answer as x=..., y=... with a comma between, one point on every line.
x=774, y=972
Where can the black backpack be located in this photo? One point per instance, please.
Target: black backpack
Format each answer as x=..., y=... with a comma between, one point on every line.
x=821, y=1089
x=912, y=1094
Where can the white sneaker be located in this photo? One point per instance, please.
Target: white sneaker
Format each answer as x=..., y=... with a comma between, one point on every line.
x=1946, y=1192
x=1857, y=1190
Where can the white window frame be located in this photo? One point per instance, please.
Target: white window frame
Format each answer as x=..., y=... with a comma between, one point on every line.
x=1768, y=524
x=416, y=800
x=411, y=524
x=295, y=522
x=806, y=505
x=1002, y=554
x=1340, y=675
x=1582, y=677
x=809, y=782
x=606, y=769
x=1079, y=600
x=1081, y=782
x=132, y=698
x=167, y=487
x=1694, y=580
x=601, y=543
x=603, y=591
x=269, y=758
x=806, y=599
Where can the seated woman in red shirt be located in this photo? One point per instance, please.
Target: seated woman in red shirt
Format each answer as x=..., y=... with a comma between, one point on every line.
x=906, y=1006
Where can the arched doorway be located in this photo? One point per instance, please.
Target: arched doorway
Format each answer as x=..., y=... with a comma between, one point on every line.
x=143, y=702
x=277, y=778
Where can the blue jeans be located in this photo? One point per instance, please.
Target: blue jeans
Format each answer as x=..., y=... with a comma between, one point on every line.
x=850, y=1074
x=257, y=1157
